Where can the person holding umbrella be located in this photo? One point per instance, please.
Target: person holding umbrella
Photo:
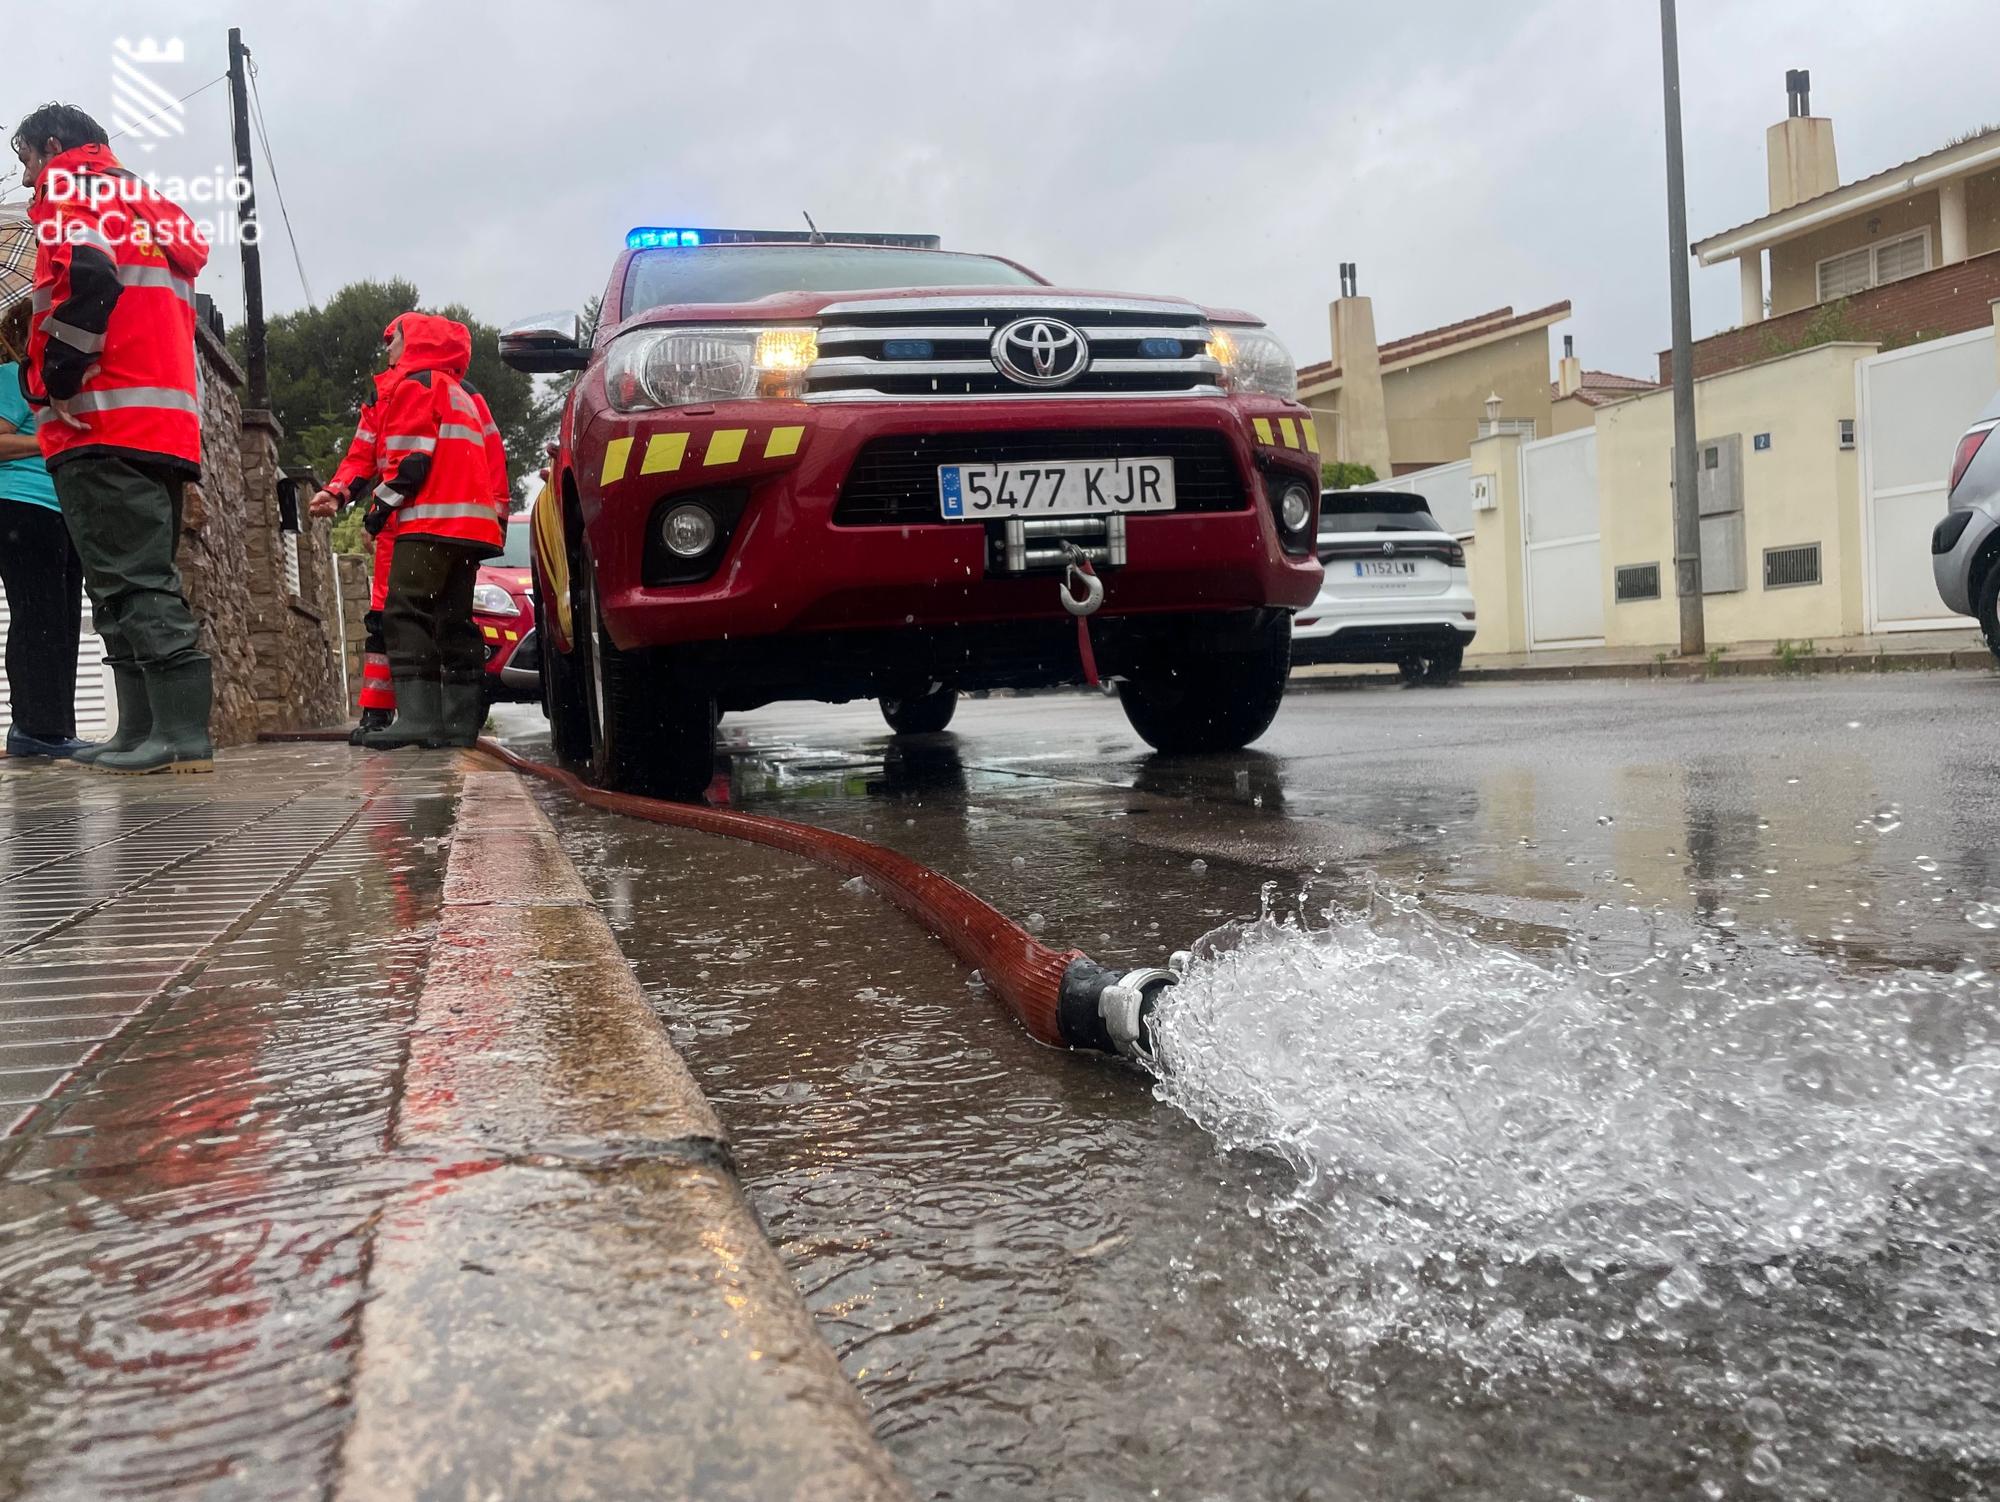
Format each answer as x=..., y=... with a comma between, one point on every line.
x=38, y=563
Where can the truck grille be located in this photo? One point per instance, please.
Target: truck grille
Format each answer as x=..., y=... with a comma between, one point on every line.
x=941, y=348
x=894, y=481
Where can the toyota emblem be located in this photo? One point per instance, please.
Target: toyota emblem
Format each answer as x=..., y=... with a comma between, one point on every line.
x=1388, y=550
x=1042, y=352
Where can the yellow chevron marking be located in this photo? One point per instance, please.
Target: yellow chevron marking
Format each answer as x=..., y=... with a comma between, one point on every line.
x=1263, y=427
x=664, y=452
x=783, y=442
x=490, y=633
x=1288, y=431
x=616, y=452
x=513, y=636
x=725, y=446
x=1311, y=432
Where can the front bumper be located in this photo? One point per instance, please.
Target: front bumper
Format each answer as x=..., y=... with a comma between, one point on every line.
x=513, y=663
x=790, y=568
x=1952, y=569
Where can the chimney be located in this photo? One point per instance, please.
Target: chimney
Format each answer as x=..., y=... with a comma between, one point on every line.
x=1569, y=374
x=1362, y=436
x=1799, y=148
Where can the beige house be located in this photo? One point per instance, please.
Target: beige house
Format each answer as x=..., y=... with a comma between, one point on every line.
x=1911, y=252
x=1417, y=401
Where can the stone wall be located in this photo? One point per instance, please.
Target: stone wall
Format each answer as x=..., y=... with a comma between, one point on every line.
x=356, y=579
x=276, y=653
x=214, y=547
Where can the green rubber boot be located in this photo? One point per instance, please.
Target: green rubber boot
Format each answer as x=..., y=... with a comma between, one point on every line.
x=135, y=715
x=178, y=741
x=419, y=717
x=464, y=714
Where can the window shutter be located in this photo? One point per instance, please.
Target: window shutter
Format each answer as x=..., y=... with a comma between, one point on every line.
x=1896, y=259
x=1843, y=276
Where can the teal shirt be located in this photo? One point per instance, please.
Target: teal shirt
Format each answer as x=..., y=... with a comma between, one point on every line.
x=22, y=479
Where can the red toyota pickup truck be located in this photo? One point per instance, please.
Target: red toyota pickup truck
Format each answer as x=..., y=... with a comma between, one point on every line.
x=836, y=466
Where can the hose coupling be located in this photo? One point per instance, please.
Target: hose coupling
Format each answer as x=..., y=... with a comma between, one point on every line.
x=1126, y=1006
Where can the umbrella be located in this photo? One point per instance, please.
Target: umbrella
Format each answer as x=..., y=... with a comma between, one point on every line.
x=17, y=255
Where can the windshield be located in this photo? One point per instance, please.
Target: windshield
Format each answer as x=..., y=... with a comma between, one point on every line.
x=515, y=554
x=743, y=273
x=1375, y=511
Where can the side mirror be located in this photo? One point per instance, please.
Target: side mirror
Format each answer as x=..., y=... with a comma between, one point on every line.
x=544, y=344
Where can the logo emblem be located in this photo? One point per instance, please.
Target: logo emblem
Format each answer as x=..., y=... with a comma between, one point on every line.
x=1388, y=550
x=142, y=105
x=1043, y=352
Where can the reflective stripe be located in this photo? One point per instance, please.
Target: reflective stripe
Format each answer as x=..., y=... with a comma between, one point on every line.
x=41, y=299
x=75, y=338
x=461, y=401
x=443, y=511
x=491, y=431
x=159, y=398
x=363, y=435
x=459, y=430
x=398, y=443
x=157, y=276
x=78, y=233
x=389, y=496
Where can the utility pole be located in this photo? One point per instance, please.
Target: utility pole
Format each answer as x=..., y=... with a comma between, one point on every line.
x=1687, y=512
x=259, y=394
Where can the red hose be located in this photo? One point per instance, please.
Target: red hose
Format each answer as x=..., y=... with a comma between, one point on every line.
x=1023, y=972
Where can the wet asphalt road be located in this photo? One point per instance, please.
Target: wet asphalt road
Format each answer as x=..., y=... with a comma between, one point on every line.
x=1050, y=1282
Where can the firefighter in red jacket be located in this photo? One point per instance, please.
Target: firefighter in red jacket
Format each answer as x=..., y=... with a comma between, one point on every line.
x=111, y=357
x=430, y=444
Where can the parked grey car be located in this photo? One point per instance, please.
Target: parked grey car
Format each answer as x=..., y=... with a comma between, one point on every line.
x=1965, y=546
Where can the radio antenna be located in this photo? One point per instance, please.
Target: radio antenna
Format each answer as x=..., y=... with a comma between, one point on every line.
x=817, y=237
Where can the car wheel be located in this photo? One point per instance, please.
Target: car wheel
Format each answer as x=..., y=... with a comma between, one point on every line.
x=1412, y=669
x=923, y=714
x=1444, y=664
x=562, y=687
x=1211, y=700
x=650, y=733
x=1989, y=608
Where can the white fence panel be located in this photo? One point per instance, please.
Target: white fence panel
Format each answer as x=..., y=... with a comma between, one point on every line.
x=1562, y=534
x=1913, y=404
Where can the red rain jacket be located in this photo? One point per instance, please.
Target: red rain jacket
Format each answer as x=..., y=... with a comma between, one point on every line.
x=429, y=442
x=113, y=328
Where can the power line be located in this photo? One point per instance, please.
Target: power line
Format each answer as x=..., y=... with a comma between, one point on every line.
x=263, y=137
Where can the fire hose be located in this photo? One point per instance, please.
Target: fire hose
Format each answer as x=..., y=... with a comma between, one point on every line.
x=1061, y=997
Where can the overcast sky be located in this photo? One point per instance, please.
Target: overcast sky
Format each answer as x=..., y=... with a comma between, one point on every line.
x=1464, y=155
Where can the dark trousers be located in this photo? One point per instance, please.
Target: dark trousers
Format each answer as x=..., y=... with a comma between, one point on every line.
x=44, y=584
x=125, y=518
x=428, y=620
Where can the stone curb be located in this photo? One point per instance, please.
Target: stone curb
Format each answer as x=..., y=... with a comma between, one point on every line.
x=1958, y=659
x=577, y=1301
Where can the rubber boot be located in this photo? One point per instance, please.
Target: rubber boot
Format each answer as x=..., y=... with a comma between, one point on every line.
x=464, y=714
x=180, y=699
x=135, y=715
x=419, y=711
x=372, y=720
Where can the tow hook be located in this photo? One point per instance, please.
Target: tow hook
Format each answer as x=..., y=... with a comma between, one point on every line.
x=1082, y=592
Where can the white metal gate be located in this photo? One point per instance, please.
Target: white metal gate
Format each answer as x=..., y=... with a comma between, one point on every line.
x=96, y=702
x=1446, y=489
x=1561, y=533
x=1913, y=405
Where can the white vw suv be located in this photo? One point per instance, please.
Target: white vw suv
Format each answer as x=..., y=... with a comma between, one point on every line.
x=1396, y=588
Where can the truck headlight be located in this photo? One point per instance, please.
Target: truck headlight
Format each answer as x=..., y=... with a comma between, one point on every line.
x=1254, y=363
x=491, y=599
x=681, y=367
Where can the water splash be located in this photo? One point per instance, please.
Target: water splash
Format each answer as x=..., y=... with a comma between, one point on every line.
x=1548, y=1164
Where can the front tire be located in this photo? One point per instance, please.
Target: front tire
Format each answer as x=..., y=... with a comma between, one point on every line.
x=1209, y=699
x=925, y=714
x=562, y=686
x=650, y=733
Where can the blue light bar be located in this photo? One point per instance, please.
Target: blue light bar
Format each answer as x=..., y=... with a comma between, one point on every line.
x=659, y=237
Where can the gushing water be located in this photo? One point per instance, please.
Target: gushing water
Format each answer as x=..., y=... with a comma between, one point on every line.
x=1727, y=1166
